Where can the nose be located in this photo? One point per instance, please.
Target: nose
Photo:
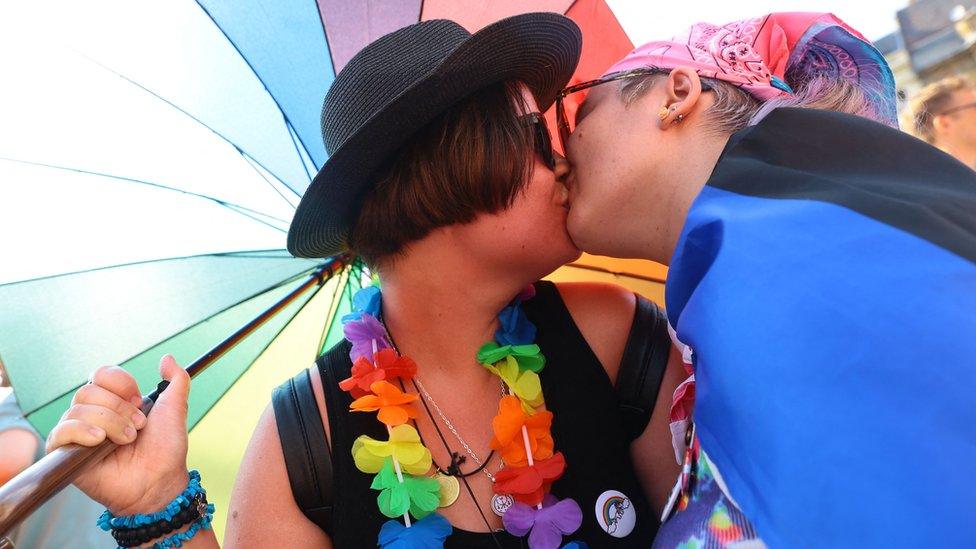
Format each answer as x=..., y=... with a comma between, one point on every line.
x=562, y=169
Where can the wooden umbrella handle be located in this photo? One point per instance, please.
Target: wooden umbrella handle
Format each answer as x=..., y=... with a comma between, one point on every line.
x=38, y=483
x=54, y=472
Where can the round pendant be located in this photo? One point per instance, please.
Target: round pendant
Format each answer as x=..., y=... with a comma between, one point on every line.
x=500, y=503
x=450, y=488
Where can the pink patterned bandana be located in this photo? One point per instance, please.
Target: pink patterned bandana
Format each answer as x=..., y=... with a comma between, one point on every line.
x=767, y=54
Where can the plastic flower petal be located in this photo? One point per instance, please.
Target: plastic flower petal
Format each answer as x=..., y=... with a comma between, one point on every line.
x=526, y=294
x=370, y=454
x=418, y=494
x=507, y=426
x=530, y=483
x=366, y=300
x=515, y=328
x=395, y=407
x=525, y=385
x=364, y=374
x=427, y=533
x=547, y=526
x=386, y=364
x=394, y=365
x=362, y=333
x=528, y=357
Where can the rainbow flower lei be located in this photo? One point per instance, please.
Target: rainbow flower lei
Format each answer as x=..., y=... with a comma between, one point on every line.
x=401, y=464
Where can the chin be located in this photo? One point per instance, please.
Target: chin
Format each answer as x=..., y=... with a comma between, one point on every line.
x=550, y=256
x=576, y=227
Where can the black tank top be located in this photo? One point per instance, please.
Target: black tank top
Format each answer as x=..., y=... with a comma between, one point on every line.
x=587, y=428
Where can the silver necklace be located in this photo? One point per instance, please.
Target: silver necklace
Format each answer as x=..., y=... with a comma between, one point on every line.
x=500, y=503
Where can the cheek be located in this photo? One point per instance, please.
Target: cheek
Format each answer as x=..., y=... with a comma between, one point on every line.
x=536, y=222
x=605, y=165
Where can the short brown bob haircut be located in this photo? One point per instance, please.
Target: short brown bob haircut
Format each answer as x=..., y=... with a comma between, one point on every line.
x=473, y=159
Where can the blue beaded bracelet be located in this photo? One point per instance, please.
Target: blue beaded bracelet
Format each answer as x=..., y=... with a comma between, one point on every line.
x=108, y=521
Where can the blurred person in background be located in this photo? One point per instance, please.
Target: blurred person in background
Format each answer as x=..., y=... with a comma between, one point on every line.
x=944, y=114
x=65, y=520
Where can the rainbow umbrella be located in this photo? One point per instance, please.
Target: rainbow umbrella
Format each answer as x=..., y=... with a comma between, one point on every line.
x=151, y=158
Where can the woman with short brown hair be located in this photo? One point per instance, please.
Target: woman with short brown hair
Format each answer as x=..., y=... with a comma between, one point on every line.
x=497, y=417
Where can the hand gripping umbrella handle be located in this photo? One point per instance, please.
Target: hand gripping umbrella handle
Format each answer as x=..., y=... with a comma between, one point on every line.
x=29, y=490
x=23, y=494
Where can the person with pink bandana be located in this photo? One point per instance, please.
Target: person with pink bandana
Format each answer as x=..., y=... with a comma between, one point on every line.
x=821, y=271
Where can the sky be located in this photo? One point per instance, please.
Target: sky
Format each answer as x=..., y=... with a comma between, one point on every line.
x=646, y=20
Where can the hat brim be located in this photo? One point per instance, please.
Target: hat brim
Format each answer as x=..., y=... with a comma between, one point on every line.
x=539, y=49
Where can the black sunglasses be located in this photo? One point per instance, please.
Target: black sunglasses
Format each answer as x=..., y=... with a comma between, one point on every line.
x=542, y=139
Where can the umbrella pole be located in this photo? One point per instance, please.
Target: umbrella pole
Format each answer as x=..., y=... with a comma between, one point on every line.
x=23, y=494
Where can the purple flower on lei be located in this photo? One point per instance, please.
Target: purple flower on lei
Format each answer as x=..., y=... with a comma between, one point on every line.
x=547, y=526
x=361, y=333
x=427, y=533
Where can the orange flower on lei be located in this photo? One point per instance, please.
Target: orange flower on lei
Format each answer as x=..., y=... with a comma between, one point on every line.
x=507, y=426
x=395, y=407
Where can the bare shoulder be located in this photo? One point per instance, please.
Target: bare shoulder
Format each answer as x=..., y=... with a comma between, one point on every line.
x=604, y=314
x=262, y=484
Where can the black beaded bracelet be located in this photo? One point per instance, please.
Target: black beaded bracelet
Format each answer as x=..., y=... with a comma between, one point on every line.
x=134, y=537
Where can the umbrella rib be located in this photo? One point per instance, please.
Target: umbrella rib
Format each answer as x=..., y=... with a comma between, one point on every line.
x=273, y=287
x=191, y=117
x=256, y=75
x=334, y=308
x=291, y=134
x=615, y=273
x=218, y=254
x=261, y=352
x=254, y=165
x=242, y=210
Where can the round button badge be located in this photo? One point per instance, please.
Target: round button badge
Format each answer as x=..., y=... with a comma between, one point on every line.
x=615, y=513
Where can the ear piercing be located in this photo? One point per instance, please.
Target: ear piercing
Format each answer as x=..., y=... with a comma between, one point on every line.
x=665, y=112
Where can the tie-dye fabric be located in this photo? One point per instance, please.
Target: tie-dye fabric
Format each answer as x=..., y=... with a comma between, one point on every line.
x=704, y=517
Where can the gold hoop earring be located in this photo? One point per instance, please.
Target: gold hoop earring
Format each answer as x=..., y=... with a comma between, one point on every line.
x=665, y=112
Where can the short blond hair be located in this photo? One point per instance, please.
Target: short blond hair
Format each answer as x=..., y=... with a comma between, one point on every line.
x=931, y=101
x=735, y=109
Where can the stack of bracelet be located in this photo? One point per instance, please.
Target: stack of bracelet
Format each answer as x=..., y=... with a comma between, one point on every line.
x=189, y=508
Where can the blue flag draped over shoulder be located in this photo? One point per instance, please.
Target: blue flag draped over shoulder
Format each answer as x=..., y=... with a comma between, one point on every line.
x=826, y=280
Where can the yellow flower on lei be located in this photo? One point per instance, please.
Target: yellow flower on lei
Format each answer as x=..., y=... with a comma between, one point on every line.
x=404, y=445
x=524, y=384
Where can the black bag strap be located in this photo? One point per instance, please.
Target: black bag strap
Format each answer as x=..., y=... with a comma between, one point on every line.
x=308, y=458
x=642, y=367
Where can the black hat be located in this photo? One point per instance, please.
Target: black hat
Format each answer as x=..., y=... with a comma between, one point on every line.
x=400, y=83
